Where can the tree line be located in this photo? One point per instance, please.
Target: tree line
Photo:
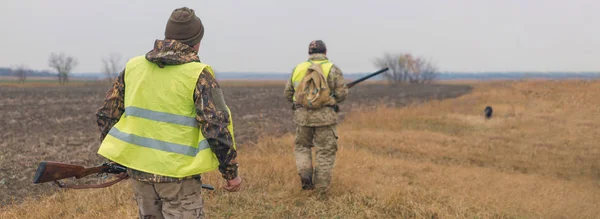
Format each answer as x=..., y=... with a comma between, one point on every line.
x=64, y=65
x=404, y=68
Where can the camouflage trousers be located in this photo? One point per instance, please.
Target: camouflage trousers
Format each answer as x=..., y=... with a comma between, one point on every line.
x=181, y=199
x=324, y=139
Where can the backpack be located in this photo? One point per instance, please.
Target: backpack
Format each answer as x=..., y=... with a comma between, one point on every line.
x=313, y=91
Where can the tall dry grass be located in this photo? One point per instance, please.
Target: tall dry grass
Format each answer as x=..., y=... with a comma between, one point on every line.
x=536, y=158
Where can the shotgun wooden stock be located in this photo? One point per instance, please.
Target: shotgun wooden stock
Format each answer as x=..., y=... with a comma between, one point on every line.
x=49, y=171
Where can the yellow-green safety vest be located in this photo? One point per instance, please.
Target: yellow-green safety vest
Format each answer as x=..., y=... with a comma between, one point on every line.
x=301, y=69
x=158, y=133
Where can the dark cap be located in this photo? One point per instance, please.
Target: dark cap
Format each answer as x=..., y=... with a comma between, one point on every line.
x=317, y=46
x=184, y=26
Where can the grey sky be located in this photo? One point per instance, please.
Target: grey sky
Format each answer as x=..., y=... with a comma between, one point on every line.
x=273, y=36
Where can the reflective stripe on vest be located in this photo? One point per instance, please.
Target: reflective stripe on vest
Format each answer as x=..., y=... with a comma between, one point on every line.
x=301, y=69
x=160, y=116
x=158, y=132
x=159, y=145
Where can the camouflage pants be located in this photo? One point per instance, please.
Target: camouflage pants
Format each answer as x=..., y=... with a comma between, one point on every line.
x=324, y=139
x=181, y=199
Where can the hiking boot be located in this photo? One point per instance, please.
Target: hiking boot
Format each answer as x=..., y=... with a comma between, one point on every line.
x=307, y=183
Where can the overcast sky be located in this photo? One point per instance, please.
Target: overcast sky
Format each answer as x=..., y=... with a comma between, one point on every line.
x=273, y=36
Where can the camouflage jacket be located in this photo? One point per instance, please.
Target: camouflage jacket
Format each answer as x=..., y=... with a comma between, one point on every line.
x=211, y=117
x=322, y=116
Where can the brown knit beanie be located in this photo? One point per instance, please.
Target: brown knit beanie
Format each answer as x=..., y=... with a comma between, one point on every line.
x=184, y=26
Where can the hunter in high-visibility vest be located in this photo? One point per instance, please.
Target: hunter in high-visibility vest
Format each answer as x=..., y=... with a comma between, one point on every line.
x=166, y=120
x=314, y=116
x=158, y=132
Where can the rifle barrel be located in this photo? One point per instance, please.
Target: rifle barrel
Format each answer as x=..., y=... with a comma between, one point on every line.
x=209, y=187
x=351, y=84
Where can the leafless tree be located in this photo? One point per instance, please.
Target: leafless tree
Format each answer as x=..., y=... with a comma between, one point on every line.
x=403, y=68
x=63, y=64
x=112, y=66
x=21, y=71
x=424, y=71
x=397, y=70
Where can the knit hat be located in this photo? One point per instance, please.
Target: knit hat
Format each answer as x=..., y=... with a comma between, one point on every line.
x=184, y=26
x=317, y=46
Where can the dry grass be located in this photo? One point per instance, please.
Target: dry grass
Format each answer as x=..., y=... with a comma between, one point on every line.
x=535, y=159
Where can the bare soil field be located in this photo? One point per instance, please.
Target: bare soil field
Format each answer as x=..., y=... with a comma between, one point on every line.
x=57, y=123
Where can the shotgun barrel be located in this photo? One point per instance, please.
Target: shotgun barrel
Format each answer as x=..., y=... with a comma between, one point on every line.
x=351, y=84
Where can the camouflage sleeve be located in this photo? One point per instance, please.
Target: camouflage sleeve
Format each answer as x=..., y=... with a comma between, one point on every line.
x=213, y=117
x=113, y=107
x=336, y=82
x=289, y=90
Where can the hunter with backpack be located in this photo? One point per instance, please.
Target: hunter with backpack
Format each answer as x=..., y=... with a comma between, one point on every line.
x=315, y=88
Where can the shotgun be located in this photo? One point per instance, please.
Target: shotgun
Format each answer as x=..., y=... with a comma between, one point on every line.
x=336, y=108
x=351, y=84
x=48, y=171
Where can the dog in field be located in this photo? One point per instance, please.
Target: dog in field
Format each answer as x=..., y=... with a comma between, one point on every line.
x=488, y=112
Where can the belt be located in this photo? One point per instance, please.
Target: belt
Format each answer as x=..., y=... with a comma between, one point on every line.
x=335, y=108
